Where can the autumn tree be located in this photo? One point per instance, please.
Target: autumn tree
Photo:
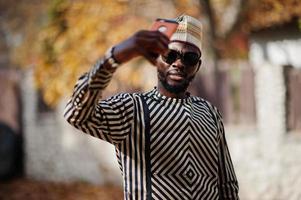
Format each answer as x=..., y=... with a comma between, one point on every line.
x=76, y=33
x=63, y=38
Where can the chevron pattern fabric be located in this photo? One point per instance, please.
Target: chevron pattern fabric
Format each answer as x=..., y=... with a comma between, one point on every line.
x=171, y=149
x=184, y=152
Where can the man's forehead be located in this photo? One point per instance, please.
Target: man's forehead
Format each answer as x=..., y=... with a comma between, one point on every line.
x=183, y=46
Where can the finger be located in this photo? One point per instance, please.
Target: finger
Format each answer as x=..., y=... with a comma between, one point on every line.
x=151, y=41
x=152, y=58
x=160, y=48
x=161, y=36
x=152, y=45
x=157, y=35
x=155, y=45
x=164, y=38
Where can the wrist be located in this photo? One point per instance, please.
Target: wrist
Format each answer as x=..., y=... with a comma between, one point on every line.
x=110, y=58
x=125, y=51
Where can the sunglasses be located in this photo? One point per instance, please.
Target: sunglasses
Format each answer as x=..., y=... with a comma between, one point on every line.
x=188, y=58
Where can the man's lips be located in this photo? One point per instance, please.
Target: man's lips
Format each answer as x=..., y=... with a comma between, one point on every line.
x=176, y=76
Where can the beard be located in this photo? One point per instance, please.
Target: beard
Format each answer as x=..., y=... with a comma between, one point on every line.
x=175, y=89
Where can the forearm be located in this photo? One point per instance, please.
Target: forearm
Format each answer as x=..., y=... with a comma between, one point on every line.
x=228, y=184
x=87, y=91
x=87, y=112
x=228, y=181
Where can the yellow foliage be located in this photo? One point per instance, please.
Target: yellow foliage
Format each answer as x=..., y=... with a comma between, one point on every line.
x=66, y=52
x=266, y=13
x=188, y=7
x=78, y=32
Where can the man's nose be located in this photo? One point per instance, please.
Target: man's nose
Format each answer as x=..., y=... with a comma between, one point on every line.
x=178, y=64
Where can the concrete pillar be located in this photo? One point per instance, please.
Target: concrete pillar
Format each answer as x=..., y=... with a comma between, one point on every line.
x=271, y=124
x=270, y=107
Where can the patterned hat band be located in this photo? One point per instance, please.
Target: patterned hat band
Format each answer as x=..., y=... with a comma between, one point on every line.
x=188, y=31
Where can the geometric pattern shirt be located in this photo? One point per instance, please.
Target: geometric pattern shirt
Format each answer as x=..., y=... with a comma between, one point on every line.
x=167, y=148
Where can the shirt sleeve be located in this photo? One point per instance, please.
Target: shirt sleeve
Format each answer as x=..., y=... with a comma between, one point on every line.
x=109, y=119
x=227, y=178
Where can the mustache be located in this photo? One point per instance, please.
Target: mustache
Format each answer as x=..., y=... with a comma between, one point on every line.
x=176, y=72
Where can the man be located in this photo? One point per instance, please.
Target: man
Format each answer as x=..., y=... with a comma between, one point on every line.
x=169, y=145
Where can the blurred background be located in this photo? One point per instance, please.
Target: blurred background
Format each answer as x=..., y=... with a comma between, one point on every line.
x=251, y=71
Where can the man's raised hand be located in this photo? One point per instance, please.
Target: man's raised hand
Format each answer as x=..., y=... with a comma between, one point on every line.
x=148, y=44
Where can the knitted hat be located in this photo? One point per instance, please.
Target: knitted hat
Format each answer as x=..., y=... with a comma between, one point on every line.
x=189, y=30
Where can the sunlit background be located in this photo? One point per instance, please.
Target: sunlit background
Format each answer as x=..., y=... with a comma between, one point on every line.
x=251, y=71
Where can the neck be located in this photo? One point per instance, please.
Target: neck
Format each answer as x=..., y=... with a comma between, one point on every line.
x=163, y=91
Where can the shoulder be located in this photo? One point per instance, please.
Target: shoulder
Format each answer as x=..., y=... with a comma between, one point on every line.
x=202, y=101
x=118, y=99
x=119, y=96
x=208, y=105
x=128, y=95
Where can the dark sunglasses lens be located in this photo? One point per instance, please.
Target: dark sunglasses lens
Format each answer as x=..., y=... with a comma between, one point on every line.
x=190, y=59
x=170, y=57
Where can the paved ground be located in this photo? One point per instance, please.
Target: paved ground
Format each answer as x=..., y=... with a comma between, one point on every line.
x=21, y=189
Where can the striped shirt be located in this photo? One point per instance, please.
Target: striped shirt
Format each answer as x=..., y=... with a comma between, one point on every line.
x=167, y=148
